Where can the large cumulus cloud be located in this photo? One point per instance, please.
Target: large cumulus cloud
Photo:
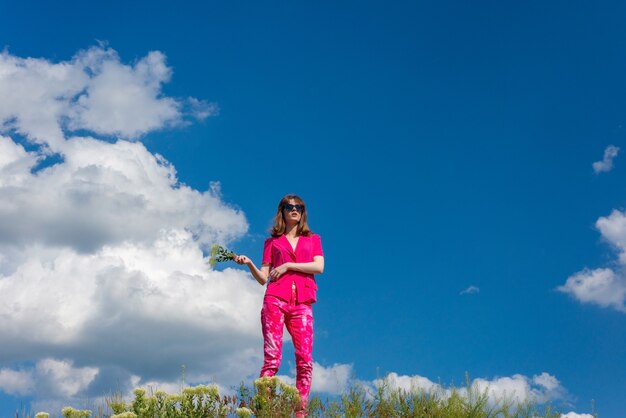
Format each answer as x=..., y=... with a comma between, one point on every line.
x=104, y=282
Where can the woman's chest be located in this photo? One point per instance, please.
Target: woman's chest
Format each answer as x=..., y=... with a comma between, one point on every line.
x=299, y=249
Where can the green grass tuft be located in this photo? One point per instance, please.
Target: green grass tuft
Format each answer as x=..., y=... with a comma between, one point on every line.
x=272, y=398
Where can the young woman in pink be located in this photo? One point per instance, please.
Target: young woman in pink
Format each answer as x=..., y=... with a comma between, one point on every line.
x=291, y=257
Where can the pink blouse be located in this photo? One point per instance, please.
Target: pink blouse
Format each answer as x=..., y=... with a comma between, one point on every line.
x=277, y=251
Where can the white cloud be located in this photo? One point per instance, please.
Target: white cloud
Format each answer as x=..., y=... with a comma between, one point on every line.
x=541, y=388
x=408, y=383
x=105, y=194
x=56, y=378
x=575, y=415
x=173, y=386
x=101, y=251
x=201, y=109
x=470, y=290
x=517, y=388
x=15, y=162
x=61, y=378
x=93, y=91
x=613, y=230
x=332, y=380
x=546, y=381
x=16, y=382
x=133, y=305
x=603, y=286
x=36, y=94
x=600, y=286
x=607, y=161
x=120, y=99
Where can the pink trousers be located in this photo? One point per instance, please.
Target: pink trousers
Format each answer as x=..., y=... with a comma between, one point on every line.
x=298, y=317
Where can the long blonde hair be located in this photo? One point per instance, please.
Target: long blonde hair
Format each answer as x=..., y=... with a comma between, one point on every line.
x=279, y=220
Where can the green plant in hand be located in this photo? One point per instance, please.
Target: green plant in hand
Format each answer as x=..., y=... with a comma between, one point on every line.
x=219, y=254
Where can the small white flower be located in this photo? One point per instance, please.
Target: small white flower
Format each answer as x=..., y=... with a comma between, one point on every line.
x=243, y=412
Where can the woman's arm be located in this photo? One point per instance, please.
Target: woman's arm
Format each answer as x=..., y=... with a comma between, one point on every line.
x=313, y=267
x=261, y=275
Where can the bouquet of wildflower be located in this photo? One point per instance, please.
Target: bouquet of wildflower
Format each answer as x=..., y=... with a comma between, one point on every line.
x=219, y=253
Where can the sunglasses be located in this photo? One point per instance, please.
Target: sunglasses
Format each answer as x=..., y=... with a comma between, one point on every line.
x=289, y=207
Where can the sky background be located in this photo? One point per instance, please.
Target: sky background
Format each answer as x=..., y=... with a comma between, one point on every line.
x=462, y=162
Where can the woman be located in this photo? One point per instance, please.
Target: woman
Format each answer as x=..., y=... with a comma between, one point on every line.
x=291, y=256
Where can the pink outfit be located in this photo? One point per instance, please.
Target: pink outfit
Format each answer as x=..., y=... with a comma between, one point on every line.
x=277, y=251
x=287, y=303
x=299, y=321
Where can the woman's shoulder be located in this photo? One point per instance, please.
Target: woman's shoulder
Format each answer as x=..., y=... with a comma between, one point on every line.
x=271, y=239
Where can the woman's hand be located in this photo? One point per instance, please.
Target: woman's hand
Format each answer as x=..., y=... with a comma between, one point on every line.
x=242, y=259
x=278, y=271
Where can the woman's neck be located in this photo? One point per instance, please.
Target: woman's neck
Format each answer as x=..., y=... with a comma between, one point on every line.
x=291, y=230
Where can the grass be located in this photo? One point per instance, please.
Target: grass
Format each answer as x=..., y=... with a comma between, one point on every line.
x=271, y=398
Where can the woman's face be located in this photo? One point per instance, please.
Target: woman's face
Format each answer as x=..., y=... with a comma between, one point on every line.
x=292, y=212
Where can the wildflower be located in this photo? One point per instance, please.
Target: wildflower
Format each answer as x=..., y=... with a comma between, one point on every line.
x=243, y=412
x=42, y=415
x=69, y=412
x=219, y=253
x=211, y=391
x=267, y=380
x=139, y=392
x=125, y=415
x=117, y=406
x=172, y=399
x=289, y=391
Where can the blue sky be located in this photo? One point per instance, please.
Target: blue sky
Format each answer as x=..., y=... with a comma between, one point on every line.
x=438, y=146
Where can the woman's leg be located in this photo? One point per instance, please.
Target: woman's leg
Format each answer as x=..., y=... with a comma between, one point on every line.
x=272, y=322
x=299, y=323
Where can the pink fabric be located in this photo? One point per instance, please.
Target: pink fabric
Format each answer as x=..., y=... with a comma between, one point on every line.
x=277, y=251
x=298, y=317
